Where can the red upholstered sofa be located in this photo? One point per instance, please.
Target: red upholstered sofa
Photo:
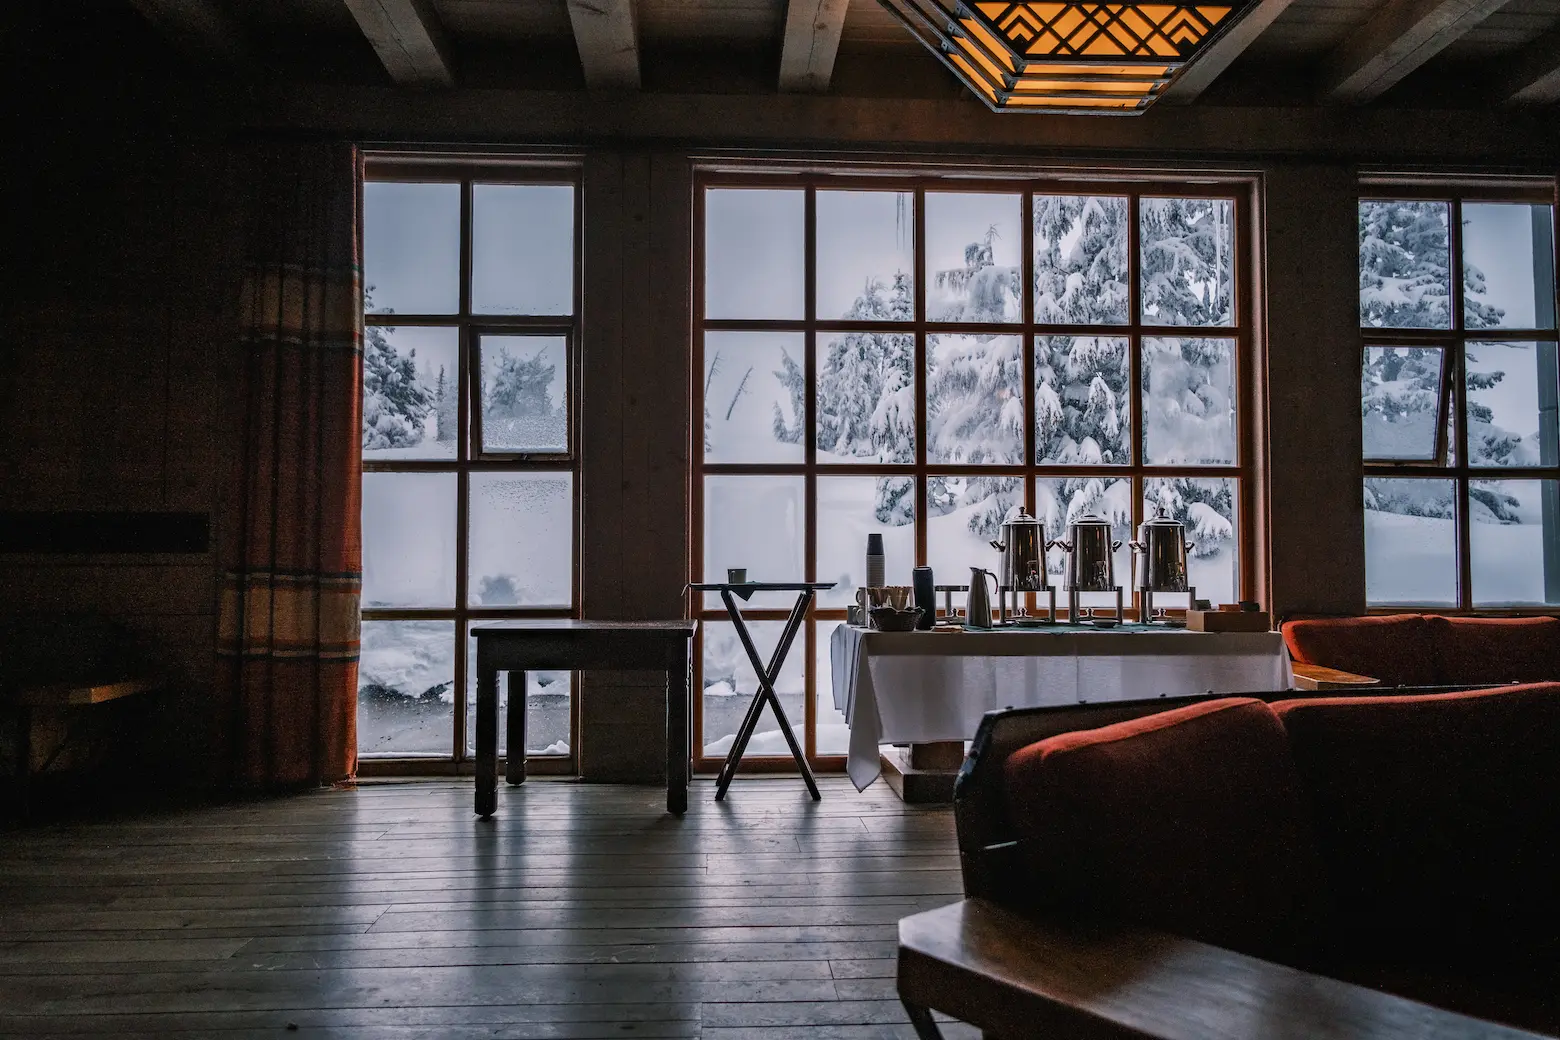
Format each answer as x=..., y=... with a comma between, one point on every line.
x=1407, y=843
x=1431, y=650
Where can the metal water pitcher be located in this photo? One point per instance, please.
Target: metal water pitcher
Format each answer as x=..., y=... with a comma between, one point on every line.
x=1023, y=554
x=1091, y=562
x=977, y=610
x=1161, y=549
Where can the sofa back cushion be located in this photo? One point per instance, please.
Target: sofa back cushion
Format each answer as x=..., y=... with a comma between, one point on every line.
x=1488, y=650
x=1394, y=648
x=1438, y=819
x=1189, y=820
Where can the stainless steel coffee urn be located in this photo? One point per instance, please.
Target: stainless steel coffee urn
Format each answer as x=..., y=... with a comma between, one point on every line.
x=1091, y=562
x=1023, y=569
x=1161, y=549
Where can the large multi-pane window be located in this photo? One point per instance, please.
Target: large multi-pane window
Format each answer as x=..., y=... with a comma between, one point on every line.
x=1459, y=399
x=469, y=444
x=919, y=358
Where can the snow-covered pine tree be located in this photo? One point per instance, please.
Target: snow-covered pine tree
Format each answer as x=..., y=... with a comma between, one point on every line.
x=1084, y=283
x=394, y=402
x=793, y=380
x=1400, y=391
x=446, y=412
x=1187, y=248
x=519, y=410
x=1405, y=282
x=866, y=380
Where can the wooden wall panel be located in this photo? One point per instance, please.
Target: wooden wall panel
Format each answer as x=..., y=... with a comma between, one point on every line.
x=1315, y=505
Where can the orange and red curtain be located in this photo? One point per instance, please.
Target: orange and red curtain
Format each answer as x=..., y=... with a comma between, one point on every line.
x=292, y=539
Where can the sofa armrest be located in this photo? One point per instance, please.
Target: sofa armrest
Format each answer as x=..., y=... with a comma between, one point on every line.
x=1319, y=677
x=1015, y=975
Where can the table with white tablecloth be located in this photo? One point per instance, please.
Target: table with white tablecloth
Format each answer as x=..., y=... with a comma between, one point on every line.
x=921, y=687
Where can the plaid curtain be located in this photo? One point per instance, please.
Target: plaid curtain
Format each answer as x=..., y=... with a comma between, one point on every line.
x=292, y=539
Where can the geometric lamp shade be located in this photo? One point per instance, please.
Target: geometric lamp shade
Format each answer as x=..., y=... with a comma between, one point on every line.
x=1081, y=58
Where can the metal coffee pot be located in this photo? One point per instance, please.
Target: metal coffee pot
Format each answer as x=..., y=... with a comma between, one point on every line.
x=1161, y=549
x=1091, y=563
x=1023, y=554
x=977, y=610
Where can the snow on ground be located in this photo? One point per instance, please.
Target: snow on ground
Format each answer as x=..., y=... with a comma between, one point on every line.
x=1413, y=560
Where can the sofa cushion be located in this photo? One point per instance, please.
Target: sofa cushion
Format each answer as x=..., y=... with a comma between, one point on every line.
x=1438, y=819
x=1489, y=650
x=1189, y=820
x=1394, y=648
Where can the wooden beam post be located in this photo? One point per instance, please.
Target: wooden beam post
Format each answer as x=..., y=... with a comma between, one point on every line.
x=1401, y=36
x=198, y=29
x=1210, y=65
x=607, y=34
x=1532, y=75
x=812, y=39
x=408, y=39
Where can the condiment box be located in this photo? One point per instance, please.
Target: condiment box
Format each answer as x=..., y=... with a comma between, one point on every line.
x=1228, y=621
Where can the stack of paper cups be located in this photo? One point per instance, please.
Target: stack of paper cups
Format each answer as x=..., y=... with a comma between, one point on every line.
x=875, y=561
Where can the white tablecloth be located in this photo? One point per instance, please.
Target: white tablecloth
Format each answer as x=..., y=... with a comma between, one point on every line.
x=915, y=687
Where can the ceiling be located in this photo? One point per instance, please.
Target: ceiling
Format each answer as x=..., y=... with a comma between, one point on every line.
x=1441, y=53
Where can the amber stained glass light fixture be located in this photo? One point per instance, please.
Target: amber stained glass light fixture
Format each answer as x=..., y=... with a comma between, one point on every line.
x=1094, y=58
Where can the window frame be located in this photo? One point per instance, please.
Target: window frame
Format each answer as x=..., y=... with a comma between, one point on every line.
x=1238, y=189
x=469, y=458
x=1452, y=415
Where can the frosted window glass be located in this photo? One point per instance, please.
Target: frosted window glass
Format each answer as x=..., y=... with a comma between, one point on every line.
x=756, y=523
x=753, y=253
x=866, y=255
x=522, y=249
x=409, y=540
x=755, y=387
x=411, y=248
x=406, y=689
x=525, y=398
x=522, y=540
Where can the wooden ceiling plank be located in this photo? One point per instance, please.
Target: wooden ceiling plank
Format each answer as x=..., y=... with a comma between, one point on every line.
x=409, y=40
x=607, y=34
x=812, y=39
x=1532, y=75
x=1398, y=39
x=1212, y=63
x=198, y=29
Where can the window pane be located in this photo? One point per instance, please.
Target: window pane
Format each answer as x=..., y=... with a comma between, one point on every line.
x=973, y=256
x=411, y=393
x=1207, y=508
x=865, y=397
x=1410, y=541
x=406, y=689
x=522, y=249
x=522, y=540
x=1061, y=500
x=525, y=394
x=1514, y=538
x=963, y=515
x=411, y=248
x=1188, y=258
x=755, y=523
x=1081, y=259
x=1083, y=408
x=974, y=399
x=833, y=736
x=850, y=508
x=1512, y=392
x=1188, y=402
x=1405, y=279
x=1508, y=266
x=753, y=253
x=730, y=683
x=755, y=392
x=548, y=699
x=1400, y=393
x=409, y=540
x=866, y=255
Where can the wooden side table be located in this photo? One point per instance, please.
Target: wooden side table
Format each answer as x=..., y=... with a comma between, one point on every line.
x=578, y=646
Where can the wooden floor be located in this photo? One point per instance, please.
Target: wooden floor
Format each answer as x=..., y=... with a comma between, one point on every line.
x=390, y=911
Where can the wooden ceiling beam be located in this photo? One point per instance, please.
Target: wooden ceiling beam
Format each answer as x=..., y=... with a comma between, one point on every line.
x=812, y=39
x=1402, y=36
x=1210, y=65
x=197, y=29
x=409, y=40
x=1532, y=75
x=607, y=35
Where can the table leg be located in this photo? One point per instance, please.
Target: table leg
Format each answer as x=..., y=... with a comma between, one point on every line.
x=921, y=1019
x=514, y=731
x=677, y=739
x=766, y=691
x=487, y=733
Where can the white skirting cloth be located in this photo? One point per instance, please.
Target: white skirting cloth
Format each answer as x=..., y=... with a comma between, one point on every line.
x=918, y=687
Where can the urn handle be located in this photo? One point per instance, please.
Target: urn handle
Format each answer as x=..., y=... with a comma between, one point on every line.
x=1137, y=546
x=999, y=546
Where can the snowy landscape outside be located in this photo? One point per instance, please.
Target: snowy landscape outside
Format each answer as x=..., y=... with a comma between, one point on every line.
x=1411, y=540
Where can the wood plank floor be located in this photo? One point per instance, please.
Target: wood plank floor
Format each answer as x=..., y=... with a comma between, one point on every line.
x=389, y=911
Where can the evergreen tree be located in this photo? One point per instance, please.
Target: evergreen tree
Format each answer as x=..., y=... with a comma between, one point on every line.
x=1405, y=281
x=519, y=409
x=793, y=380
x=866, y=381
x=1086, y=283
x=445, y=410
x=1187, y=261
x=395, y=404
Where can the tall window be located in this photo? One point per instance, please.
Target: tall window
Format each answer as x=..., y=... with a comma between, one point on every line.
x=921, y=357
x=469, y=445
x=1459, y=400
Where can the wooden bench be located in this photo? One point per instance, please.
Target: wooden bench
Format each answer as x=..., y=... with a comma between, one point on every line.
x=24, y=700
x=1016, y=976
